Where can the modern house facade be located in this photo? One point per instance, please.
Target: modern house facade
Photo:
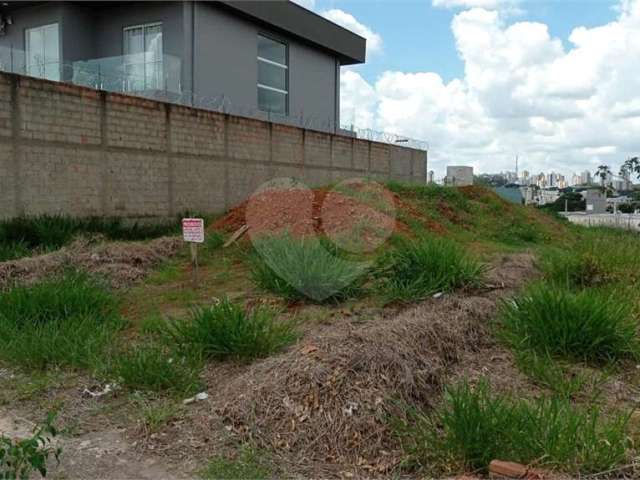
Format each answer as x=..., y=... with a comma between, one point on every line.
x=265, y=59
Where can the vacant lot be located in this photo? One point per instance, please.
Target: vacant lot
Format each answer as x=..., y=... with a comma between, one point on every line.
x=351, y=331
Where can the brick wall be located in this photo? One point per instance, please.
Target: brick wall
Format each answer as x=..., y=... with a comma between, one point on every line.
x=68, y=149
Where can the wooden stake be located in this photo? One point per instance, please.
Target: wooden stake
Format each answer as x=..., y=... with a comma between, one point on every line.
x=194, y=263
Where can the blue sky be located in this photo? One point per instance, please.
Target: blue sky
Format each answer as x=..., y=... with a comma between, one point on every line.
x=555, y=82
x=417, y=36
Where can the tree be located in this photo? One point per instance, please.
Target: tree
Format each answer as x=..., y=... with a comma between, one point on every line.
x=603, y=172
x=630, y=166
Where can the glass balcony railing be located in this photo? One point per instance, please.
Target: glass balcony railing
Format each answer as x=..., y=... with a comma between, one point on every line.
x=138, y=74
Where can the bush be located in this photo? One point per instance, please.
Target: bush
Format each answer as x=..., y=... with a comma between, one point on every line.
x=154, y=368
x=303, y=268
x=589, y=325
x=474, y=427
x=63, y=321
x=416, y=269
x=227, y=330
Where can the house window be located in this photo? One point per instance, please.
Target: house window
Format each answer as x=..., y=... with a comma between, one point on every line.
x=43, y=52
x=142, y=63
x=273, y=81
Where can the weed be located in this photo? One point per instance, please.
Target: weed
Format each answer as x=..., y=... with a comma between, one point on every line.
x=152, y=367
x=473, y=427
x=249, y=464
x=227, y=330
x=19, y=458
x=302, y=268
x=589, y=325
x=13, y=250
x=62, y=321
x=416, y=269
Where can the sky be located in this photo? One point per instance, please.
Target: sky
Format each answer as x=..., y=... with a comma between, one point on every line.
x=554, y=82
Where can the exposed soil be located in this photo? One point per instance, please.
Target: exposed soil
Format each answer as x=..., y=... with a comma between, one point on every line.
x=122, y=263
x=305, y=212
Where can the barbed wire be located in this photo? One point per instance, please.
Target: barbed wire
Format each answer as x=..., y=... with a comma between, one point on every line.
x=163, y=83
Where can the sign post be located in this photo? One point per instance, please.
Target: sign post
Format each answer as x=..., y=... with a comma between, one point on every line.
x=193, y=233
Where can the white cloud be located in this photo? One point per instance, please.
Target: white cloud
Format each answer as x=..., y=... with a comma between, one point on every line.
x=310, y=4
x=348, y=21
x=523, y=93
x=489, y=4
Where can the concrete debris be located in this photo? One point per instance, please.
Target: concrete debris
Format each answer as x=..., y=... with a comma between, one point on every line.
x=197, y=398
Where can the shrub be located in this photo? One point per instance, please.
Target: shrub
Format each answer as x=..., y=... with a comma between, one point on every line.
x=19, y=458
x=416, y=269
x=227, y=330
x=63, y=321
x=155, y=368
x=589, y=325
x=303, y=268
x=473, y=427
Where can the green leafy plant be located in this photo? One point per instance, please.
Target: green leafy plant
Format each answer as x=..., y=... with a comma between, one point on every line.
x=304, y=269
x=474, y=426
x=588, y=325
x=19, y=458
x=416, y=269
x=228, y=330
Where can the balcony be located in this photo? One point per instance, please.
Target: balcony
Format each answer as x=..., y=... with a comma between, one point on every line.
x=158, y=78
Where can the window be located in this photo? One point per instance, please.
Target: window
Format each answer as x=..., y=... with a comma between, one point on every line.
x=273, y=81
x=143, y=66
x=43, y=52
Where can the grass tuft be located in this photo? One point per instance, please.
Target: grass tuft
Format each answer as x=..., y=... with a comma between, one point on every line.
x=590, y=325
x=473, y=427
x=304, y=269
x=151, y=367
x=227, y=330
x=21, y=235
x=249, y=464
x=62, y=321
x=416, y=269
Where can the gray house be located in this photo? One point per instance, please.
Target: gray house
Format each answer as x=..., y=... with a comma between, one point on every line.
x=265, y=59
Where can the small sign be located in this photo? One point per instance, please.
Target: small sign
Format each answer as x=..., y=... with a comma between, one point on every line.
x=193, y=230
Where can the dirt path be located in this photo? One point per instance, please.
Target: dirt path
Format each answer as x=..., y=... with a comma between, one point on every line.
x=106, y=454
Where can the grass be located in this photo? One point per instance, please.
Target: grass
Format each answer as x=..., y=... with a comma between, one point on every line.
x=67, y=320
x=599, y=256
x=152, y=367
x=474, y=426
x=228, y=330
x=591, y=325
x=249, y=464
x=416, y=269
x=551, y=374
x=304, y=269
x=21, y=235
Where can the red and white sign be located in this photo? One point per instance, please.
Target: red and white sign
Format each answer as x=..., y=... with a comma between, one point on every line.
x=193, y=230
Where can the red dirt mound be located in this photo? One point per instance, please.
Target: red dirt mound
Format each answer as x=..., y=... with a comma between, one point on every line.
x=304, y=212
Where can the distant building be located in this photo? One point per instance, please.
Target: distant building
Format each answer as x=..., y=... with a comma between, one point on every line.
x=459, y=176
x=596, y=201
x=431, y=176
x=585, y=178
